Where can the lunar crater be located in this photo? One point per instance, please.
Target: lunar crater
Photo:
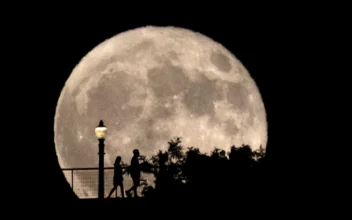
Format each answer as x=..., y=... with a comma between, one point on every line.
x=123, y=98
x=200, y=96
x=167, y=80
x=221, y=61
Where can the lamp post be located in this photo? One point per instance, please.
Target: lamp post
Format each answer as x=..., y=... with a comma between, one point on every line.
x=100, y=132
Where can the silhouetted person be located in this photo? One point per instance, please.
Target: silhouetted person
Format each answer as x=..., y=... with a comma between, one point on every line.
x=135, y=172
x=118, y=177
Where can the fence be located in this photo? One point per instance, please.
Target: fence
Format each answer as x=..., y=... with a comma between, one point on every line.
x=84, y=181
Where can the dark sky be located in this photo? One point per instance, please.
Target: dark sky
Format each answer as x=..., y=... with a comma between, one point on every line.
x=261, y=44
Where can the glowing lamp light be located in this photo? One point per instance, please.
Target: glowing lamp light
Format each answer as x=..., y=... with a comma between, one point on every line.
x=101, y=130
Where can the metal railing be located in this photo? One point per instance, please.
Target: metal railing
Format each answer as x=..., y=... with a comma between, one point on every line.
x=84, y=181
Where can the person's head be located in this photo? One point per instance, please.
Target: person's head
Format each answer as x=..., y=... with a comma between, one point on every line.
x=118, y=160
x=136, y=152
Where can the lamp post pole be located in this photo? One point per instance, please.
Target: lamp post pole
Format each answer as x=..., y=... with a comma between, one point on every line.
x=101, y=169
x=100, y=132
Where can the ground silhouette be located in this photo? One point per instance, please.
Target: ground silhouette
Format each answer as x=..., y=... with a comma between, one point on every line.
x=187, y=177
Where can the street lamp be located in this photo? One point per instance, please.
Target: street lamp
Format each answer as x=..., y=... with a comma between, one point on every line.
x=100, y=132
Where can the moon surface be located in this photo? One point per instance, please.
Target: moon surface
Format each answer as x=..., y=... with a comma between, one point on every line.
x=151, y=84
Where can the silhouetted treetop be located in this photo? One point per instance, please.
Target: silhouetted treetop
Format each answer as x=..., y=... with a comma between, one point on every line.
x=193, y=173
x=175, y=148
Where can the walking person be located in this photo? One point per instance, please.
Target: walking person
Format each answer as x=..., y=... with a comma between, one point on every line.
x=135, y=172
x=118, y=177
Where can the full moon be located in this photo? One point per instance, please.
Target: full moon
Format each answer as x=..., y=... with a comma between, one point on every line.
x=152, y=84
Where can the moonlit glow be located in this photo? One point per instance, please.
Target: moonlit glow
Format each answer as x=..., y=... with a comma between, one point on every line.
x=149, y=85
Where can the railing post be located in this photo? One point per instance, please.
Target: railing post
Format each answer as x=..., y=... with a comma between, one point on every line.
x=72, y=179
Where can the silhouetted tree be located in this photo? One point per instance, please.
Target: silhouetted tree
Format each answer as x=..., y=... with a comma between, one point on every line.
x=215, y=154
x=175, y=149
x=195, y=174
x=259, y=154
x=242, y=157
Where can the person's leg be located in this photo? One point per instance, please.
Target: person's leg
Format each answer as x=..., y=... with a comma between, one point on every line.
x=112, y=190
x=135, y=186
x=135, y=191
x=128, y=192
x=130, y=189
x=122, y=192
